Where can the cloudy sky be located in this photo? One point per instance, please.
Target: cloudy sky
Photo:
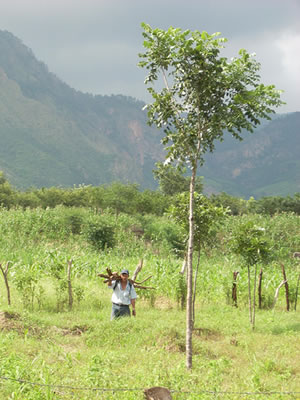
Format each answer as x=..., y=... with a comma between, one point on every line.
x=92, y=45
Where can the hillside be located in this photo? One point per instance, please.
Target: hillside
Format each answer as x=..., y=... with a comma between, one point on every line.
x=265, y=163
x=53, y=135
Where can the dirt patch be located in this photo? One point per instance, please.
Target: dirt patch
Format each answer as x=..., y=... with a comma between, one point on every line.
x=207, y=334
x=162, y=303
x=173, y=346
x=13, y=322
x=9, y=321
x=74, y=331
x=172, y=341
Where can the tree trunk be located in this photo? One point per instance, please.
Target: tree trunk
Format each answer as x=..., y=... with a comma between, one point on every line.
x=70, y=262
x=5, y=273
x=189, y=300
x=195, y=283
x=286, y=288
x=259, y=289
x=297, y=288
x=254, y=295
x=183, y=292
x=249, y=295
x=234, y=288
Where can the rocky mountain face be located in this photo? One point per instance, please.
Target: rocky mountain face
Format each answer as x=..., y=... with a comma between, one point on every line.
x=53, y=135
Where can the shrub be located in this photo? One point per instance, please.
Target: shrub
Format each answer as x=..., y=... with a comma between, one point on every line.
x=73, y=219
x=99, y=235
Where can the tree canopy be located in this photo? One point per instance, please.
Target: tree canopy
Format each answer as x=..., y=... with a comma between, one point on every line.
x=204, y=93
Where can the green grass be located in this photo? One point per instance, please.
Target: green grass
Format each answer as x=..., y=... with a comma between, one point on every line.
x=82, y=348
x=48, y=345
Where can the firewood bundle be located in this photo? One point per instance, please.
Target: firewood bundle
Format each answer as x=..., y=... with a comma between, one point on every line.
x=115, y=276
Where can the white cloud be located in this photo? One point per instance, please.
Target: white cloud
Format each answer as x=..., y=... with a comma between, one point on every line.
x=289, y=45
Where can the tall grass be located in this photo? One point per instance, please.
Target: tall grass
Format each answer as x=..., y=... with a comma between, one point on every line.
x=40, y=243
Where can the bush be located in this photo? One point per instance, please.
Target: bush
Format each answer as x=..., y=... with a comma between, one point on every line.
x=100, y=235
x=73, y=219
x=163, y=230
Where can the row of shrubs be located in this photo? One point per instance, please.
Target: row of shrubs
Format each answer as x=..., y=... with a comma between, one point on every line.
x=129, y=199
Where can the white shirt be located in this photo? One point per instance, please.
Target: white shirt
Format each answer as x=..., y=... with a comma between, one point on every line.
x=121, y=296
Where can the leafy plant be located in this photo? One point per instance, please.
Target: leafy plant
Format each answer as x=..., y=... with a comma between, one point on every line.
x=250, y=242
x=206, y=218
x=27, y=280
x=100, y=235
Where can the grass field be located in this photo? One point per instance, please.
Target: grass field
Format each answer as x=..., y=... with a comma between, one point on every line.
x=48, y=352
x=83, y=349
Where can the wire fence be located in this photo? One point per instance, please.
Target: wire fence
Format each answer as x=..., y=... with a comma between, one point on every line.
x=113, y=390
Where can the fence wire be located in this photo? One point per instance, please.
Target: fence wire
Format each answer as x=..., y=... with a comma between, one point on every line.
x=98, y=389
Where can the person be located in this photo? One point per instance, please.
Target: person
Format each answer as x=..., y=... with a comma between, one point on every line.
x=124, y=296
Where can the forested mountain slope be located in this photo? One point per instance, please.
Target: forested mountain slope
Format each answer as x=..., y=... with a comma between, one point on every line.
x=265, y=163
x=53, y=135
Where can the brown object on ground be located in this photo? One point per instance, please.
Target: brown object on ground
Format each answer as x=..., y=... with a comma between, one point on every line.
x=157, y=393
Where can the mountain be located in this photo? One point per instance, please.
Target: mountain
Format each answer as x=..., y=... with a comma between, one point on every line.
x=53, y=135
x=265, y=163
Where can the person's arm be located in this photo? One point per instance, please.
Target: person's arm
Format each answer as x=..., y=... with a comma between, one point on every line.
x=133, y=307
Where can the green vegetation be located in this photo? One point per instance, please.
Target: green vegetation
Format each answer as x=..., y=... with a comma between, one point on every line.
x=129, y=199
x=56, y=340
x=42, y=341
x=250, y=242
x=53, y=135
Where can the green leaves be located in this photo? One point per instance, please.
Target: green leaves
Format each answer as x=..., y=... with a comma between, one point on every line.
x=251, y=243
x=207, y=216
x=204, y=93
x=100, y=235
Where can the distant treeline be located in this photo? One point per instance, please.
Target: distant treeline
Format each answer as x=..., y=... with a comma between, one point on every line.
x=127, y=198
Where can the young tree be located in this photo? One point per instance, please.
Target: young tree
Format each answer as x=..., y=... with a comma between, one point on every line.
x=204, y=95
x=250, y=242
x=207, y=217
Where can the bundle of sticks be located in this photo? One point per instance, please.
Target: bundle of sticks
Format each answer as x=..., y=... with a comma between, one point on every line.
x=115, y=276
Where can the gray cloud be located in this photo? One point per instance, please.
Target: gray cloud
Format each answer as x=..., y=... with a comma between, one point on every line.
x=93, y=44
